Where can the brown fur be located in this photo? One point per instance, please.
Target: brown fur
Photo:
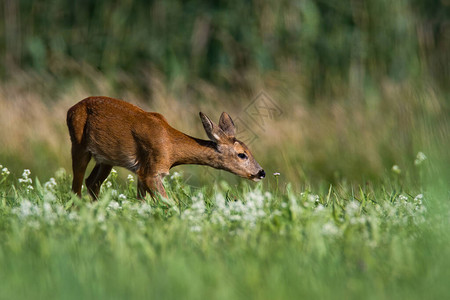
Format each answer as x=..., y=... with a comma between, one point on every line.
x=117, y=133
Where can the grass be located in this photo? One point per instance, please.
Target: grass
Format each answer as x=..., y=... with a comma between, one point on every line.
x=356, y=90
x=225, y=242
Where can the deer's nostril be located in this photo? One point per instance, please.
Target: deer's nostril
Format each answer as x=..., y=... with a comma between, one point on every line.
x=261, y=174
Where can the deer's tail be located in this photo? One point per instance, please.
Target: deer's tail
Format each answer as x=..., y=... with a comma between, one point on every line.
x=76, y=122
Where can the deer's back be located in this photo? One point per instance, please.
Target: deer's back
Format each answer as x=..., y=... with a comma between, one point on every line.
x=116, y=132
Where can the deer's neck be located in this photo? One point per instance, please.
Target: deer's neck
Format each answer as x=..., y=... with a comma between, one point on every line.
x=190, y=150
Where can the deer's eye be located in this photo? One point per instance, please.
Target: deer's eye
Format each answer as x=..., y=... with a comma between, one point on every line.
x=242, y=156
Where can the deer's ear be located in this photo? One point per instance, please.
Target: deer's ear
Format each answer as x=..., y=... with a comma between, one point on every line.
x=214, y=133
x=227, y=125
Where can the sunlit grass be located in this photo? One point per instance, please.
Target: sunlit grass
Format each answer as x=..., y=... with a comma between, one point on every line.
x=247, y=242
x=359, y=205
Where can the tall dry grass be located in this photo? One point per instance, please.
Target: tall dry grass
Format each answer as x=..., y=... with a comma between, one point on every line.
x=354, y=138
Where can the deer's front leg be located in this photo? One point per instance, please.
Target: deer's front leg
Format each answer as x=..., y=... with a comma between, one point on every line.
x=152, y=185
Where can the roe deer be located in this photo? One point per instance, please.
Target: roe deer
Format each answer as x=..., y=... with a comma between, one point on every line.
x=117, y=133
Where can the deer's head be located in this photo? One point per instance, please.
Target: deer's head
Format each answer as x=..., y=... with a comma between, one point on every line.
x=235, y=155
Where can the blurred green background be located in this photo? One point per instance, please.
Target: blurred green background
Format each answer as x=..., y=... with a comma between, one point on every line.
x=360, y=85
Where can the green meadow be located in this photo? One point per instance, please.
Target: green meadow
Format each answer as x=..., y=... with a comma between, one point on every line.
x=222, y=242
x=345, y=104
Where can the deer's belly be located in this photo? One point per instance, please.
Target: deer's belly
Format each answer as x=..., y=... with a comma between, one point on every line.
x=129, y=162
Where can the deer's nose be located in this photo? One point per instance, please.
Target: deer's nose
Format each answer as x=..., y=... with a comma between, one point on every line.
x=261, y=174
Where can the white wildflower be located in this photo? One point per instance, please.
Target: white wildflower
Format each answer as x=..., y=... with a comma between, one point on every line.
x=235, y=218
x=389, y=209
x=60, y=211
x=198, y=204
x=419, y=158
x=26, y=209
x=403, y=198
x=220, y=201
x=276, y=174
x=196, y=212
x=418, y=199
x=49, y=196
x=101, y=217
x=60, y=173
x=49, y=216
x=73, y=216
x=5, y=171
x=268, y=195
x=217, y=218
x=247, y=212
x=47, y=208
x=313, y=198
x=143, y=209
x=196, y=228
x=26, y=181
x=277, y=213
x=122, y=197
x=330, y=229
x=358, y=220
x=396, y=169
x=130, y=178
x=319, y=208
x=50, y=184
x=175, y=175
x=352, y=208
x=114, y=205
x=293, y=206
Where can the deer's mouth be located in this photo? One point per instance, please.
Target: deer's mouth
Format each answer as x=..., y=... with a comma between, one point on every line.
x=258, y=176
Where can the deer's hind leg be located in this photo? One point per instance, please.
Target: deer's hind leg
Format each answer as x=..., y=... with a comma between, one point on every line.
x=80, y=160
x=96, y=178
